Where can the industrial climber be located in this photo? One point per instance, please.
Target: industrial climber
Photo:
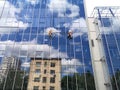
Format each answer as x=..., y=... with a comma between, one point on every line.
x=69, y=34
x=50, y=33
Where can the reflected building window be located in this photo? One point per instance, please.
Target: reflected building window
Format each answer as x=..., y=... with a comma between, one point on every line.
x=37, y=71
x=44, y=79
x=36, y=88
x=52, y=88
x=45, y=64
x=38, y=64
x=44, y=88
x=36, y=79
x=45, y=71
x=52, y=80
x=52, y=72
x=52, y=64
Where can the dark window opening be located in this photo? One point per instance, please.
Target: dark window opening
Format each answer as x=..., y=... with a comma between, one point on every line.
x=52, y=64
x=44, y=79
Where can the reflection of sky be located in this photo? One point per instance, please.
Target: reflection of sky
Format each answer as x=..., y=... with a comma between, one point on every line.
x=112, y=50
x=110, y=30
x=30, y=21
x=34, y=19
x=0, y=60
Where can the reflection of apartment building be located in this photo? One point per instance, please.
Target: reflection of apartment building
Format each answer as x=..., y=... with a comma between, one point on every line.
x=7, y=64
x=45, y=74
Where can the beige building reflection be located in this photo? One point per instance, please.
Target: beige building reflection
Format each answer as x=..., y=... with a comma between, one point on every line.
x=45, y=74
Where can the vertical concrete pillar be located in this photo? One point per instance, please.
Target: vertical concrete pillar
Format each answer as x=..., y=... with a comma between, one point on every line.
x=100, y=68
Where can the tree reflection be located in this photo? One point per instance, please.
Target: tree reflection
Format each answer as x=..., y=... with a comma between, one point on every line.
x=77, y=82
x=116, y=80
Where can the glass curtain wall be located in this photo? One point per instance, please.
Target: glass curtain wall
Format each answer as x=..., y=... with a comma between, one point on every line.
x=45, y=29
x=109, y=31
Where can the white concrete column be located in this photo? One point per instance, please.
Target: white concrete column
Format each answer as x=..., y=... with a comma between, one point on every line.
x=100, y=68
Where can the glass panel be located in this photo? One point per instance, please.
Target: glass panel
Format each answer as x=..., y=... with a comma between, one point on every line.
x=43, y=39
x=111, y=45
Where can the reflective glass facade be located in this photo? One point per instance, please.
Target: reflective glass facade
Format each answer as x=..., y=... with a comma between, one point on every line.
x=109, y=32
x=40, y=29
x=50, y=29
x=111, y=42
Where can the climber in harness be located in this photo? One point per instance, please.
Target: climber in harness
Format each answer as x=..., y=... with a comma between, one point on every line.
x=69, y=34
x=50, y=34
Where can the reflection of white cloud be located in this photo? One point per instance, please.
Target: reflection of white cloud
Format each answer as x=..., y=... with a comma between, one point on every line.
x=25, y=64
x=33, y=1
x=8, y=10
x=9, y=18
x=9, y=42
x=67, y=25
x=80, y=22
x=116, y=23
x=113, y=27
x=61, y=6
x=71, y=62
x=70, y=65
x=78, y=27
x=31, y=48
x=74, y=11
x=70, y=70
x=54, y=31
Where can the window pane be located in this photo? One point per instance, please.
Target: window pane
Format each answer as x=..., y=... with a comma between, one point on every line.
x=44, y=88
x=52, y=80
x=38, y=64
x=44, y=79
x=36, y=88
x=52, y=71
x=52, y=88
x=45, y=64
x=36, y=79
x=52, y=64
x=45, y=71
x=37, y=71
